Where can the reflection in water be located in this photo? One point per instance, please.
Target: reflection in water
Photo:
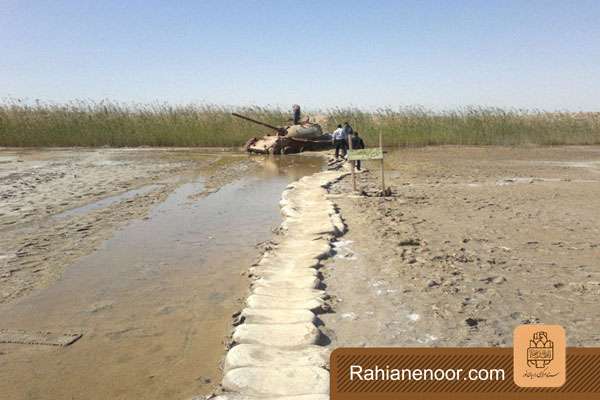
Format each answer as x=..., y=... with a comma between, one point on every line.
x=154, y=301
x=293, y=168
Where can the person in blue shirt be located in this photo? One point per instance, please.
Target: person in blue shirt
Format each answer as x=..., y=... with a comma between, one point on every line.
x=347, y=129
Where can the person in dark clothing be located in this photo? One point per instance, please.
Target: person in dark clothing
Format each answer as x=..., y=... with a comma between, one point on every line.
x=296, y=114
x=357, y=143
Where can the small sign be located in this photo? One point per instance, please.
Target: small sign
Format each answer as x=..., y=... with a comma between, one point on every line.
x=375, y=153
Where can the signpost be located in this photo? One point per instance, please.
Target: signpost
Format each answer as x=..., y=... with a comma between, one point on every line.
x=375, y=153
x=350, y=138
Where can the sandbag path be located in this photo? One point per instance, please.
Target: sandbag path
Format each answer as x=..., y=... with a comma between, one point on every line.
x=277, y=350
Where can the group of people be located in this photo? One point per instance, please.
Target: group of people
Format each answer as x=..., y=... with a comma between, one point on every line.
x=342, y=137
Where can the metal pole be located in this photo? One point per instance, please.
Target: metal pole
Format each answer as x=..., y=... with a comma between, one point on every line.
x=351, y=162
x=382, y=175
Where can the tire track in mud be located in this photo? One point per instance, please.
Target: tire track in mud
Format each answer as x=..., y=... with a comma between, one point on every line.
x=278, y=349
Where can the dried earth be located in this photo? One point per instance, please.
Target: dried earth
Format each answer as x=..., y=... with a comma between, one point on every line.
x=473, y=242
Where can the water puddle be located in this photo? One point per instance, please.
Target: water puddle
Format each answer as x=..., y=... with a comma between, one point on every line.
x=155, y=301
x=107, y=201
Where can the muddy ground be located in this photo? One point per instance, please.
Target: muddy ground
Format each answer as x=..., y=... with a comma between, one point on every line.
x=141, y=251
x=58, y=205
x=134, y=249
x=474, y=242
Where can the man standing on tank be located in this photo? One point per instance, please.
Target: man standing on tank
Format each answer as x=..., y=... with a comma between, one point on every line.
x=296, y=114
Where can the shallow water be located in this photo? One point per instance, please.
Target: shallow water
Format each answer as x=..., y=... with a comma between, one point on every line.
x=106, y=201
x=155, y=301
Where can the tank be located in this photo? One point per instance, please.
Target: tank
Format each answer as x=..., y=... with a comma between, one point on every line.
x=306, y=131
x=288, y=139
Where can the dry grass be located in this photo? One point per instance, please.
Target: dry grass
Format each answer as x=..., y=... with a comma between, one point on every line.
x=86, y=123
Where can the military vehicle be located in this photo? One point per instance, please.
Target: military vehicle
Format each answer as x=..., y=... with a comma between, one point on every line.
x=288, y=139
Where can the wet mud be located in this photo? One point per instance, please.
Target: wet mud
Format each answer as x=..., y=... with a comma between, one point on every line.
x=152, y=281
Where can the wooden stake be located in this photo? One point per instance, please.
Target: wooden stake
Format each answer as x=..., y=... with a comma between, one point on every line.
x=382, y=175
x=352, y=163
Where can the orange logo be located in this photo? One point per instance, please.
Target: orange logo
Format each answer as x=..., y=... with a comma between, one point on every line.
x=539, y=356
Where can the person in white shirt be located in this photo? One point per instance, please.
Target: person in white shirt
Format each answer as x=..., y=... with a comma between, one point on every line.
x=339, y=141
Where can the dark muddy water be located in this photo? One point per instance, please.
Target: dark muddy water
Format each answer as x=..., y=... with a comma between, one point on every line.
x=155, y=301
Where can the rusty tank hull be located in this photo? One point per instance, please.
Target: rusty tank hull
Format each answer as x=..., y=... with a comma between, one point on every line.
x=289, y=139
x=298, y=139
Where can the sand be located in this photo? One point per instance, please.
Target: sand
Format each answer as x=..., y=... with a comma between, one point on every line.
x=474, y=242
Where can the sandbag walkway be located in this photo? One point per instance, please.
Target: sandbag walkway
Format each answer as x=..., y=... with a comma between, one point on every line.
x=278, y=348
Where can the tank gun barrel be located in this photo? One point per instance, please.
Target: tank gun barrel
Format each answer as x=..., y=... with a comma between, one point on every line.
x=279, y=130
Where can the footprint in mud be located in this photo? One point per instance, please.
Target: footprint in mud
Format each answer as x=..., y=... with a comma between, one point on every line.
x=132, y=332
x=203, y=380
x=216, y=297
x=116, y=335
x=166, y=310
x=99, y=307
x=493, y=279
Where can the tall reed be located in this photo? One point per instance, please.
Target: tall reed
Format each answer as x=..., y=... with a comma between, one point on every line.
x=105, y=123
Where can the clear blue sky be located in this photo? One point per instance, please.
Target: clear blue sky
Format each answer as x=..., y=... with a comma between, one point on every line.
x=533, y=54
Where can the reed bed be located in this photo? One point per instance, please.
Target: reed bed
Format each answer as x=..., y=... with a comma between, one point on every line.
x=104, y=123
